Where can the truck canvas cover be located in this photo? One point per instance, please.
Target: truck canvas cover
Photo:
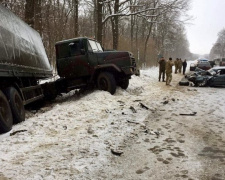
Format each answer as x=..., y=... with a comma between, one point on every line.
x=22, y=53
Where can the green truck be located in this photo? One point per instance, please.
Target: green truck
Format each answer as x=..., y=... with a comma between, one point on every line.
x=80, y=62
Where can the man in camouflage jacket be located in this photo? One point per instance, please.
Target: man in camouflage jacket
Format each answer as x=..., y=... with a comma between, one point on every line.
x=169, y=65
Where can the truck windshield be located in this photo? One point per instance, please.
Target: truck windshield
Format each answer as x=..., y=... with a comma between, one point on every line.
x=96, y=47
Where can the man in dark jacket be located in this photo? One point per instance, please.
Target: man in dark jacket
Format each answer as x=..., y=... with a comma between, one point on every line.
x=162, y=68
x=184, y=66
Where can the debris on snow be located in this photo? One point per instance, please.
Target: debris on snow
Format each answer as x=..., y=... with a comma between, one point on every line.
x=143, y=106
x=188, y=114
x=116, y=152
x=132, y=109
x=15, y=132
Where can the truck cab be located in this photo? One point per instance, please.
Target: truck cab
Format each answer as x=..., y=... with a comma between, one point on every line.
x=83, y=61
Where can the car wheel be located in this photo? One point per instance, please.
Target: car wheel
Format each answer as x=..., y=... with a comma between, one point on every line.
x=6, y=119
x=16, y=104
x=124, y=83
x=106, y=82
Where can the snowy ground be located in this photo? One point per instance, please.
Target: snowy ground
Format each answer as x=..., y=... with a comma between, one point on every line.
x=98, y=136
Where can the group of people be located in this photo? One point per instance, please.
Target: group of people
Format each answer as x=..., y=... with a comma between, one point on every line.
x=165, y=68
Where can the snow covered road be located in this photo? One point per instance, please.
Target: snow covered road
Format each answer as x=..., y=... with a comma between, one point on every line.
x=100, y=136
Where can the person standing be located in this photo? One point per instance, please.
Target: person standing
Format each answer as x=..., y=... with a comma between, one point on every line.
x=184, y=66
x=180, y=65
x=169, y=65
x=162, y=68
x=176, y=65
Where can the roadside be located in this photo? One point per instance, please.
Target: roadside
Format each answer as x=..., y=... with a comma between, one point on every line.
x=99, y=136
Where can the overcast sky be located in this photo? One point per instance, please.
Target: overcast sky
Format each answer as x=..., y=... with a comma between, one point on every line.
x=209, y=19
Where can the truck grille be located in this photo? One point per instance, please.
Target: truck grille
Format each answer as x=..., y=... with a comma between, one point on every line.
x=133, y=62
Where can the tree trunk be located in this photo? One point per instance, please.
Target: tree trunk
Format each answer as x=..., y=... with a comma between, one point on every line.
x=75, y=14
x=29, y=12
x=99, y=20
x=115, y=30
x=38, y=16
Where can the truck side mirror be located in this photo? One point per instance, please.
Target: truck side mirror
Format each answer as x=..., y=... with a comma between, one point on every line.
x=82, y=51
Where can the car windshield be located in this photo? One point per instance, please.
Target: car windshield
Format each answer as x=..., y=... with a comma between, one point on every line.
x=95, y=46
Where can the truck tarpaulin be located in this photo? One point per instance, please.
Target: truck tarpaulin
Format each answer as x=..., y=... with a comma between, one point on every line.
x=21, y=49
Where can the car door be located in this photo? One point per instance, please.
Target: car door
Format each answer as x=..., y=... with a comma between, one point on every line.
x=219, y=80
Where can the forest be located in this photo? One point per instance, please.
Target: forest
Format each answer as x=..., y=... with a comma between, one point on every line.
x=148, y=28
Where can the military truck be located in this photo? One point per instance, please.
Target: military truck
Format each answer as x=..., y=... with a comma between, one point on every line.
x=81, y=62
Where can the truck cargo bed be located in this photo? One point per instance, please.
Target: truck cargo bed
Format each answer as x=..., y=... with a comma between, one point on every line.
x=22, y=53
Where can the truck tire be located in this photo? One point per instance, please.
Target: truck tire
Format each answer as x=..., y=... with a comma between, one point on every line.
x=106, y=82
x=6, y=119
x=124, y=84
x=16, y=104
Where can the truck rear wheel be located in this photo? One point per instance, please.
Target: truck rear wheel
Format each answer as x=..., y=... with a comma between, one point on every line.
x=106, y=82
x=16, y=104
x=6, y=119
x=124, y=83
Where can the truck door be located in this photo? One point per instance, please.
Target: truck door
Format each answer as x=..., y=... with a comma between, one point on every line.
x=73, y=63
x=92, y=50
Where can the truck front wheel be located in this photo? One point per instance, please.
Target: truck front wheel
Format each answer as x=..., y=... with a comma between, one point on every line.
x=106, y=82
x=124, y=83
x=6, y=119
x=16, y=104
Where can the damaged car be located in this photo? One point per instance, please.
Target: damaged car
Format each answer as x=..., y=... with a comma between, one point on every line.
x=213, y=77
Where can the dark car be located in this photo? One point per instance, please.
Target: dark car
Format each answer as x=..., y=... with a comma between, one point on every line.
x=212, y=77
x=205, y=65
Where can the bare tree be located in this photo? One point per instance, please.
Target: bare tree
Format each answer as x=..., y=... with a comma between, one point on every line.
x=29, y=12
x=75, y=16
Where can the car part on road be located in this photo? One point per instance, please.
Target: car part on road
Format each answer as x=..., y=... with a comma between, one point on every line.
x=143, y=106
x=184, y=83
x=188, y=114
x=133, y=110
x=15, y=132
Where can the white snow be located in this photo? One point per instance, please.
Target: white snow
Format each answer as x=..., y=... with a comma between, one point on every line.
x=72, y=138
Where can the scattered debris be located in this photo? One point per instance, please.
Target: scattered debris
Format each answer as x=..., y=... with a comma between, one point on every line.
x=90, y=130
x=116, y=152
x=15, y=132
x=157, y=134
x=146, y=131
x=133, y=122
x=152, y=132
x=143, y=106
x=133, y=110
x=137, y=100
x=191, y=89
x=166, y=102
x=188, y=114
x=121, y=102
